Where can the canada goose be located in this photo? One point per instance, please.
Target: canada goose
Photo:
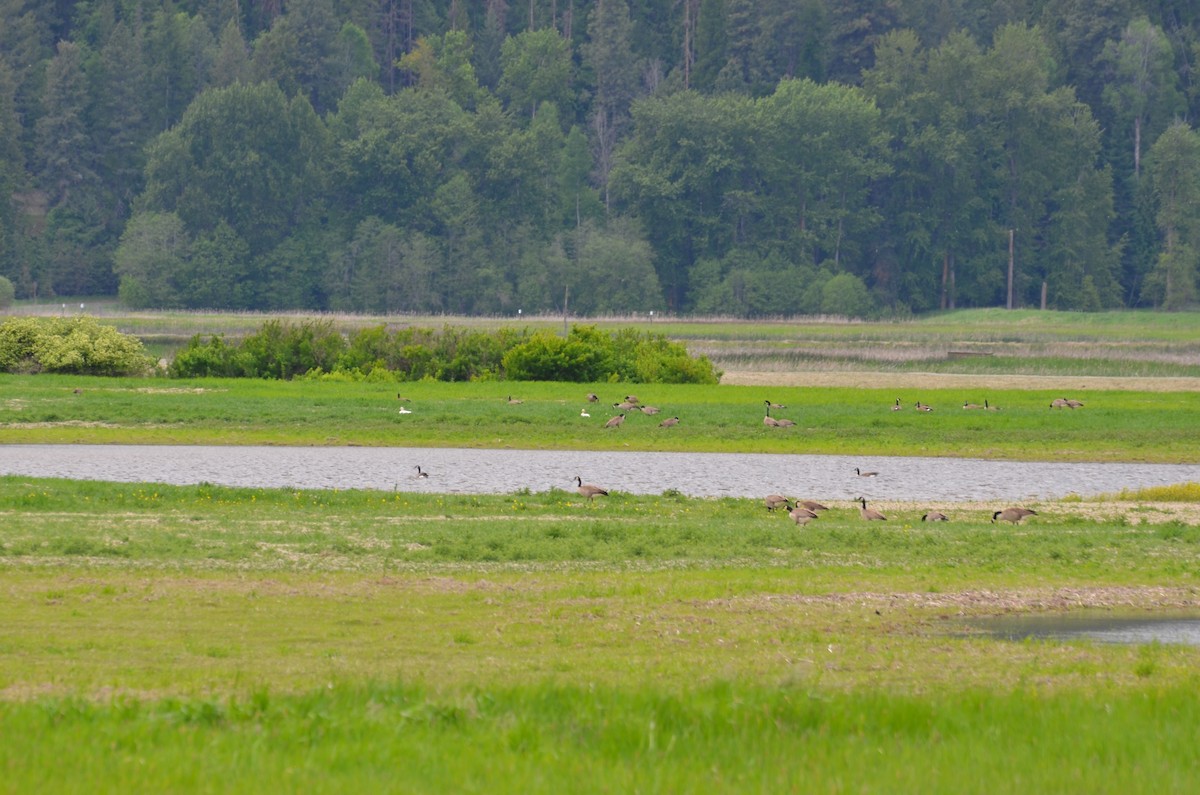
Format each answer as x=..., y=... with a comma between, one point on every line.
x=1074, y=404
x=588, y=490
x=772, y=422
x=773, y=501
x=512, y=401
x=922, y=407
x=400, y=396
x=404, y=410
x=421, y=473
x=801, y=515
x=897, y=406
x=771, y=405
x=650, y=409
x=862, y=474
x=615, y=422
x=632, y=399
x=935, y=516
x=868, y=514
x=811, y=505
x=1014, y=514
x=971, y=405
x=989, y=407
x=624, y=405
x=1058, y=403
x=669, y=422
x=584, y=413
x=592, y=397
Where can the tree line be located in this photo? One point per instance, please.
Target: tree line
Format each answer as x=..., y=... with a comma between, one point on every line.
x=601, y=156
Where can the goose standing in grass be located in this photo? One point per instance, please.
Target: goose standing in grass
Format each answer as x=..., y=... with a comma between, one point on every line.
x=588, y=490
x=421, y=473
x=867, y=474
x=935, y=516
x=801, y=515
x=1058, y=403
x=615, y=422
x=624, y=405
x=1013, y=514
x=773, y=501
x=811, y=505
x=869, y=514
x=632, y=399
x=1072, y=403
x=897, y=406
x=923, y=407
x=650, y=410
x=669, y=422
x=592, y=397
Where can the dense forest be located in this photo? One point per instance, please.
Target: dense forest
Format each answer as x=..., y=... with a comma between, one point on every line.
x=742, y=157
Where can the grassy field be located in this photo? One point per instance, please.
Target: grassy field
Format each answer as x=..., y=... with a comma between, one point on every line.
x=1114, y=425
x=201, y=638
x=205, y=638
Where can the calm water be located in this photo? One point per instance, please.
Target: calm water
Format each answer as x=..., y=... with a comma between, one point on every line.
x=1103, y=628
x=503, y=471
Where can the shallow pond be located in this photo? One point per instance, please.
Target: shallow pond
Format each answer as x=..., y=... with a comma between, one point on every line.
x=827, y=477
x=1183, y=629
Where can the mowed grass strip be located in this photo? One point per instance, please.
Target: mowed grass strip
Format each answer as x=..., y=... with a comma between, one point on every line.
x=1113, y=425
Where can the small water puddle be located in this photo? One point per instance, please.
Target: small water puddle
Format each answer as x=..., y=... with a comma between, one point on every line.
x=1178, y=629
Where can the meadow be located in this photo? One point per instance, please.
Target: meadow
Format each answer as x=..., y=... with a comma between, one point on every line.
x=202, y=638
x=1113, y=425
x=199, y=637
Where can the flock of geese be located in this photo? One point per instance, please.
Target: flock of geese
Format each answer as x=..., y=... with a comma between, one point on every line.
x=799, y=511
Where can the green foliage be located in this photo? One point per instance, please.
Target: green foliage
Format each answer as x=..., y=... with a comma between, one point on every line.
x=588, y=355
x=315, y=348
x=7, y=292
x=69, y=345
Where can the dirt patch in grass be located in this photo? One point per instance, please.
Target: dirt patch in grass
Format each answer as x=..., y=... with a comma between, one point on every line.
x=1004, y=601
x=872, y=380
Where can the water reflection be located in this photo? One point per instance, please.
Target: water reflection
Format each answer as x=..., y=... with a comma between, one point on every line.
x=504, y=471
x=1182, y=629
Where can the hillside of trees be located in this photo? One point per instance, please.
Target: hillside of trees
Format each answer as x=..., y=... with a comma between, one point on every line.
x=742, y=157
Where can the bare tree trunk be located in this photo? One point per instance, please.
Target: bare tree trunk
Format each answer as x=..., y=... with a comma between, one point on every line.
x=1044, y=288
x=1137, y=146
x=945, y=300
x=1011, y=246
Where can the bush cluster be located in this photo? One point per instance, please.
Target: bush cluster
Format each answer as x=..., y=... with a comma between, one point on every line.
x=75, y=345
x=315, y=349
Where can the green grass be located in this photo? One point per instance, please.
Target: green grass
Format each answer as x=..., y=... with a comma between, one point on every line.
x=201, y=638
x=1115, y=425
x=550, y=739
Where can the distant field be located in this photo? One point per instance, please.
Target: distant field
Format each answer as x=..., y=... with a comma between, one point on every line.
x=1113, y=425
x=974, y=341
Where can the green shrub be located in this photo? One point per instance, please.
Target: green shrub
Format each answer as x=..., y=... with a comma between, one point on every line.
x=212, y=359
x=548, y=357
x=77, y=345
